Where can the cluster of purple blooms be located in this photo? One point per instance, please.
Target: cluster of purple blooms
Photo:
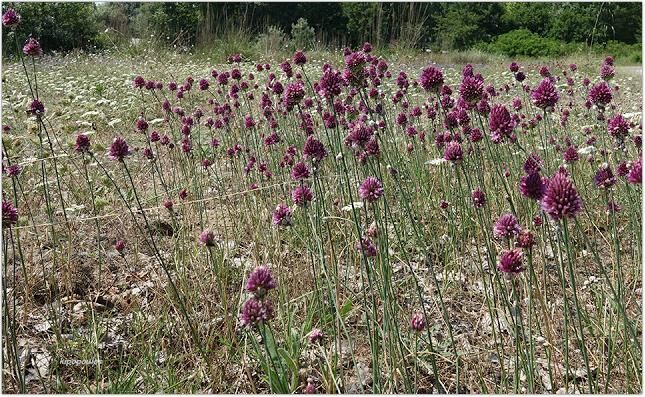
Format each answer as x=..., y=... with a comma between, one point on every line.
x=257, y=309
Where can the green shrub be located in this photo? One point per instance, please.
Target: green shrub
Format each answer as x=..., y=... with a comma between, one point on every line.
x=522, y=42
x=302, y=35
x=620, y=51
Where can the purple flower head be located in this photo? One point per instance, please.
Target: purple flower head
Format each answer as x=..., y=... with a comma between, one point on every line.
x=533, y=186
x=635, y=175
x=545, y=96
x=561, y=199
x=453, y=152
x=520, y=76
x=207, y=238
x=506, y=226
x=315, y=335
x=13, y=170
x=32, y=47
x=299, y=58
x=607, y=72
x=10, y=18
x=367, y=247
x=119, y=149
x=370, y=190
x=533, y=163
x=302, y=195
x=514, y=67
x=330, y=84
x=282, y=215
x=618, y=127
x=314, y=149
x=256, y=311
x=9, y=214
x=600, y=94
x=300, y=171
x=604, y=178
x=82, y=143
x=479, y=198
x=500, y=122
x=260, y=282
x=431, y=79
x=471, y=89
x=119, y=246
x=526, y=239
x=510, y=262
x=417, y=322
x=36, y=108
x=571, y=154
x=294, y=93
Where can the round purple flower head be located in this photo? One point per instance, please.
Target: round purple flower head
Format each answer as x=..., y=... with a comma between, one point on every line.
x=571, y=155
x=10, y=18
x=561, y=199
x=282, y=215
x=607, y=72
x=138, y=82
x=635, y=175
x=471, y=89
x=302, y=195
x=417, y=322
x=510, y=262
x=604, y=178
x=533, y=163
x=256, y=311
x=9, y=214
x=366, y=246
x=600, y=94
x=36, y=108
x=82, y=143
x=479, y=198
x=533, y=186
x=506, y=226
x=260, y=282
x=453, y=152
x=545, y=95
x=119, y=149
x=371, y=189
x=13, y=170
x=500, y=122
x=315, y=336
x=299, y=58
x=32, y=47
x=314, y=149
x=294, y=93
x=431, y=79
x=330, y=84
x=119, y=246
x=618, y=126
x=300, y=171
x=207, y=238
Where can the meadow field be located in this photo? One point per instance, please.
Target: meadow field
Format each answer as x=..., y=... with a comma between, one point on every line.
x=340, y=222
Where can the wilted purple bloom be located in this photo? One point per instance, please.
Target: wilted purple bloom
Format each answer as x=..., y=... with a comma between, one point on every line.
x=32, y=47
x=506, y=226
x=600, y=94
x=510, y=262
x=545, y=96
x=453, y=152
x=479, y=198
x=260, y=282
x=207, y=238
x=431, y=79
x=9, y=214
x=533, y=186
x=256, y=311
x=417, y=322
x=10, y=18
x=635, y=175
x=282, y=215
x=13, y=170
x=561, y=199
x=366, y=246
x=371, y=189
x=520, y=76
x=604, y=177
x=302, y=195
x=119, y=149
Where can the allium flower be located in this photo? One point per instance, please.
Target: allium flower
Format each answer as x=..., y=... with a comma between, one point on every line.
x=36, y=108
x=207, y=238
x=119, y=149
x=526, y=239
x=618, y=126
x=256, y=311
x=10, y=18
x=119, y=246
x=302, y=195
x=431, y=79
x=417, y=322
x=82, y=143
x=13, y=170
x=607, y=72
x=314, y=149
x=453, y=152
x=330, y=84
x=9, y=214
x=299, y=58
x=370, y=190
x=293, y=94
x=32, y=47
x=545, y=95
x=506, y=226
x=533, y=163
x=635, y=175
x=561, y=199
x=600, y=94
x=471, y=89
x=315, y=335
x=520, y=76
x=604, y=178
x=260, y=282
x=479, y=198
x=571, y=155
x=282, y=215
x=510, y=262
x=500, y=122
x=366, y=246
x=514, y=67
x=300, y=171
x=533, y=186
